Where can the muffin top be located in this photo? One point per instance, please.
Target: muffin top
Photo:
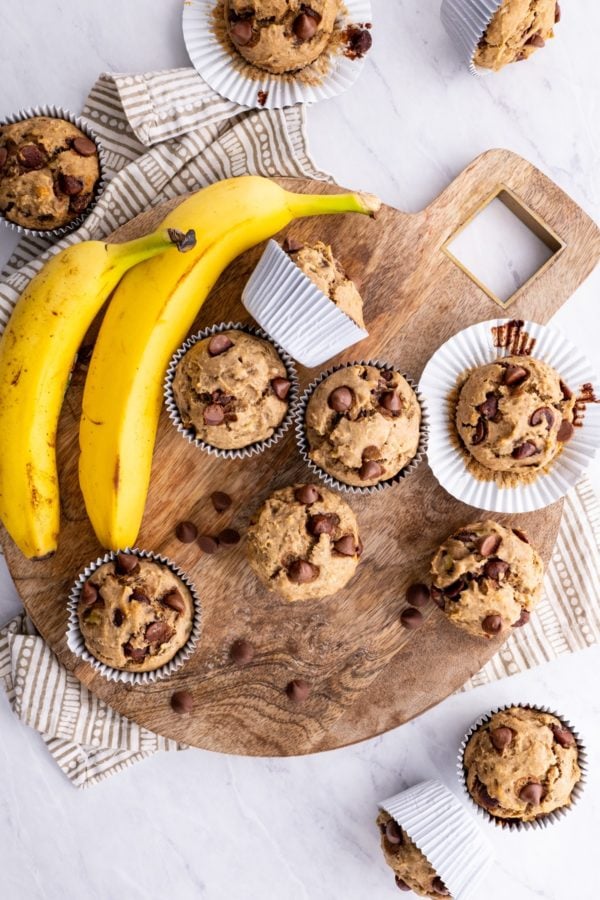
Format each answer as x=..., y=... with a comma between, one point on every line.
x=280, y=35
x=514, y=414
x=318, y=263
x=232, y=389
x=521, y=764
x=48, y=171
x=518, y=29
x=412, y=869
x=135, y=614
x=487, y=578
x=304, y=543
x=362, y=424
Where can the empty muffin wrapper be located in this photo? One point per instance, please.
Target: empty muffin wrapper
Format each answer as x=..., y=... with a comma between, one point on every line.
x=189, y=432
x=76, y=643
x=57, y=112
x=446, y=834
x=466, y=21
x=542, y=821
x=473, y=347
x=215, y=58
x=295, y=312
x=329, y=480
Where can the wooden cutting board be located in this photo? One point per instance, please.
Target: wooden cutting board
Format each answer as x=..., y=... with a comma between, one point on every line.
x=369, y=673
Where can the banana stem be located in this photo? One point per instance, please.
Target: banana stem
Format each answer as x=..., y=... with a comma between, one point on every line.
x=151, y=244
x=325, y=204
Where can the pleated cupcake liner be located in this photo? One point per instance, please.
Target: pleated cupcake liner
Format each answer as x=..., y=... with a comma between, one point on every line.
x=190, y=434
x=295, y=312
x=57, y=112
x=228, y=73
x=446, y=834
x=466, y=21
x=542, y=821
x=76, y=642
x=329, y=480
x=474, y=347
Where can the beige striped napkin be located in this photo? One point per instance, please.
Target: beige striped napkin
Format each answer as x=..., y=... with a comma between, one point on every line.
x=167, y=134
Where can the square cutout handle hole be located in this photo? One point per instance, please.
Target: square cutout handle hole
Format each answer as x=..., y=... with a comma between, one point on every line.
x=503, y=246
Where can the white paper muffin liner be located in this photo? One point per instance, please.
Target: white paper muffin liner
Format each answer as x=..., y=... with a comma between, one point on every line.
x=295, y=312
x=329, y=480
x=57, y=112
x=76, y=643
x=232, y=77
x=466, y=21
x=542, y=821
x=190, y=433
x=446, y=834
x=475, y=347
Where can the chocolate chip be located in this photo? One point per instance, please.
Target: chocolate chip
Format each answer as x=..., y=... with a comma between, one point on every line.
x=393, y=832
x=307, y=494
x=417, y=594
x=118, y=618
x=3, y=156
x=346, y=546
x=515, y=375
x=300, y=571
x=523, y=619
x=386, y=374
x=536, y=40
x=489, y=407
x=158, y=632
x=323, y=523
x=557, y=13
x=127, y=564
x=360, y=41
x=174, y=600
x=208, y=544
x=80, y=202
x=524, y=450
x=411, y=618
x=480, y=433
x=370, y=470
x=241, y=32
x=84, y=146
x=563, y=736
x=565, y=432
x=213, y=414
x=566, y=390
x=391, y=401
x=298, y=690
x=305, y=27
x=437, y=595
x=371, y=452
x=70, y=185
x=137, y=654
x=281, y=387
x=229, y=537
x=484, y=796
x=496, y=569
x=492, y=624
x=402, y=885
x=438, y=887
x=220, y=501
x=291, y=245
x=532, y=792
x=521, y=535
x=31, y=157
x=454, y=590
x=89, y=594
x=544, y=413
x=186, y=532
x=218, y=344
x=182, y=702
x=340, y=400
x=139, y=596
x=501, y=738
x=466, y=537
x=241, y=652
x=489, y=544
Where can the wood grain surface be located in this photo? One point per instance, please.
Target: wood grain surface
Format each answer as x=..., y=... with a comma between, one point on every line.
x=368, y=673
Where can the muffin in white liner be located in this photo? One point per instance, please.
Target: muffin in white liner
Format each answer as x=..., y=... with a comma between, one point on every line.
x=329, y=480
x=466, y=22
x=542, y=821
x=295, y=312
x=57, y=112
x=219, y=64
x=76, y=643
x=476, y=346
x=442, y=829
x=190, y=434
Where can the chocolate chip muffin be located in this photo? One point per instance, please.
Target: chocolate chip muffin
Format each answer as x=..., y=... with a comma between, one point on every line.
x=487, y=578
x=48, y=172
x=319, y=264
x=280, y=35
x=514, y=415
x=518, y=29
x=135, y=614
x=362, y=424
x=521, y=764
x=412, y=869
x=304, y=543
x=232, y=389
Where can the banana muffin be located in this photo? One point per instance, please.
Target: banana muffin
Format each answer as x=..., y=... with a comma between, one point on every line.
x=362, y=424
x=280, y=35
x=232, y=389
x=514, y=415
x=48, y=172
x=518, y=29
x=521, y=764
x=412, y=869
x=303, y=543
x=325, y=271
x=487, y=578
x=135, y=614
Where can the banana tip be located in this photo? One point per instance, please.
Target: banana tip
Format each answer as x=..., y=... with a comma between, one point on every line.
x=371, y=203
x=184, y=241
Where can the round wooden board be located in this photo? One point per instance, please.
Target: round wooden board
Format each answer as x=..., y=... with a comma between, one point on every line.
x=369, y=674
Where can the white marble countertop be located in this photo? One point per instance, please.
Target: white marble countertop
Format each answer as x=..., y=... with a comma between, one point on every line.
x=197, y=824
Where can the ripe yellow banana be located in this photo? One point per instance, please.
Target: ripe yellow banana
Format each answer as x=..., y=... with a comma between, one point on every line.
x=37, y=351
x=150, y=314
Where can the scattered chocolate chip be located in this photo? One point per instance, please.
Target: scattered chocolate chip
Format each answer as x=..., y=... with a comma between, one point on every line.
x=220, y=501
x=439, y=887
x=3, y=156
x=565, y=432
x=139, y=596
x=417, y=594
x=437, y=595
x=323, y=523
x=393, y=832
x=346, y=546
x=489, y=544
x=496, y=569
x=229, y=537
x=359, y=42
x=186, y=532
x=241, y=652
x=484, y=796
x=218, y=344
x=340, y=399
x=371, y=452
x=492, y=624
x=563, y=736
x=182, y=702
x=401, y=885
x=523, y=619
x=536, y=40
x=480, y=433
x=158, y=632
x=544, y=413
x=84, y=146
x=281, y=387
x=80, y=202
x=213, y=414
x=118, y=618
x=70, y=185
x=31, y=157
x=307, y=494
x=241, y=32
x=557, y=13
x=127, y=564
x=411, y=618
x=137, y=654
x=515, y=375
x=524, y=450
x=489, y=407
x=300, y=571
x=521, y=535
x=89, y=594
x=208, y=544
x=501, y=738
x=532, y=792
x=291, y=245
x=298, y=690
x=391, y=401
x=174, y=600
x=566, y=390
x=370, y=470
x=305, y=27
